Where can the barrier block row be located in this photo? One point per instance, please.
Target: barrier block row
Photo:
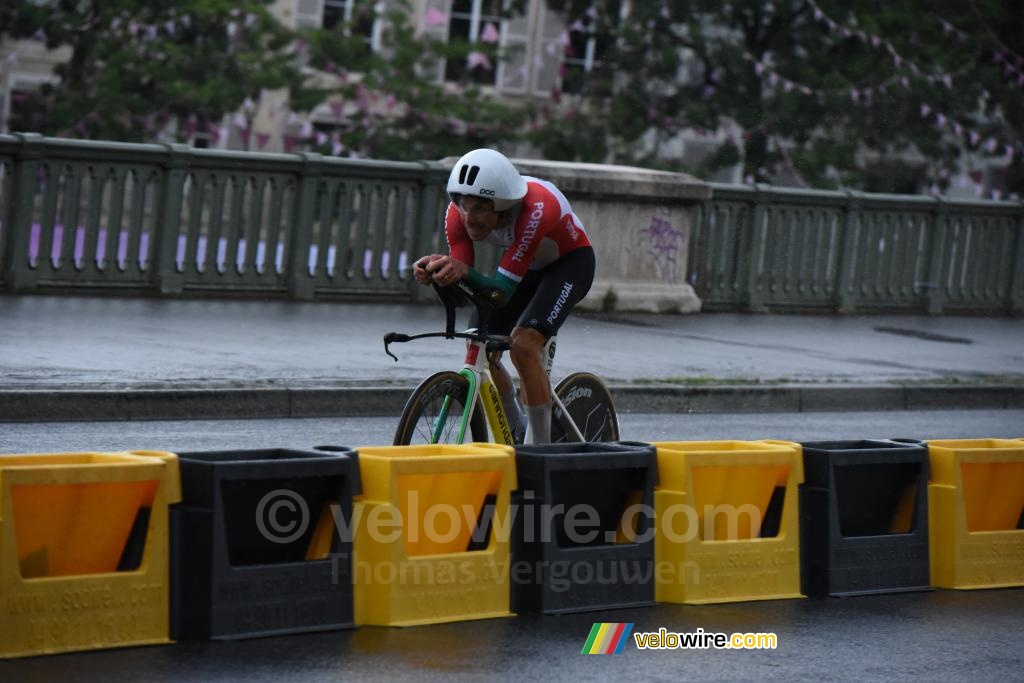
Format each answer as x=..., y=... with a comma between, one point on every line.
x=114, y=549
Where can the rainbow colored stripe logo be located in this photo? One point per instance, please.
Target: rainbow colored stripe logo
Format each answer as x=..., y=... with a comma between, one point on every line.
x=607, y=639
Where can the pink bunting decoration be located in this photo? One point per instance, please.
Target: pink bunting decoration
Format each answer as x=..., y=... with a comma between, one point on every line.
x=476, y=59
x=490, y=34
x=262, y=139
x=434, y=17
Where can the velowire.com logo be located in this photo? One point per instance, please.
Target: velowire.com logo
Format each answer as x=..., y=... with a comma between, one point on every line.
x=607, y=639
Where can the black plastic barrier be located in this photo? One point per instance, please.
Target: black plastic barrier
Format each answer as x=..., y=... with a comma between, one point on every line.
x=256, y=549
x=864, y=517
x=581, y=542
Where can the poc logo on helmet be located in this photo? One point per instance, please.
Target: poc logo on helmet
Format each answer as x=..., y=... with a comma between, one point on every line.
x=484, y=192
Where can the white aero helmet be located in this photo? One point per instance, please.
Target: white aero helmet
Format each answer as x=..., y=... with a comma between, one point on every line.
x=488, y=174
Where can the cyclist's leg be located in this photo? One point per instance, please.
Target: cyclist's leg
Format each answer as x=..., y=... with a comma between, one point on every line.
x=562, y=285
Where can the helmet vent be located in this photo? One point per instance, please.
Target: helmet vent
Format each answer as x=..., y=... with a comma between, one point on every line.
x=473, y=171
x=462, y=174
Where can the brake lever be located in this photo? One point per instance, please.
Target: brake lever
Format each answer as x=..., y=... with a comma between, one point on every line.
x=393, y=338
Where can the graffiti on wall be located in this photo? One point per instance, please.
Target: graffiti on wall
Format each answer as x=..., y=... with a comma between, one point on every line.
x=662, y=243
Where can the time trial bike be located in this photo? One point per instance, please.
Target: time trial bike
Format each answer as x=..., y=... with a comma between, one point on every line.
x=458, y=407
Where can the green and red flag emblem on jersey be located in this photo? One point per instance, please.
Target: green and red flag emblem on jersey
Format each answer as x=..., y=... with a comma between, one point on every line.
x=607, y=638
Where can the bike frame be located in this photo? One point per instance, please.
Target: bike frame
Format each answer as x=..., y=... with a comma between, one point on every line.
x=477, y=371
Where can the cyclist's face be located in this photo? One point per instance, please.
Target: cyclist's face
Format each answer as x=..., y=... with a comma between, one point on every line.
x=478, y=215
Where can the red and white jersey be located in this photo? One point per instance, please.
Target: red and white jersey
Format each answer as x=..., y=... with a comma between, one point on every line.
x=544, y=229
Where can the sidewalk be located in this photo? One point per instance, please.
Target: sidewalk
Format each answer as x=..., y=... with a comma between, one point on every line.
x=130, y=358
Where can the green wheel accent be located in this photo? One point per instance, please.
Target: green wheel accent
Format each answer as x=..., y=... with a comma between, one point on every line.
x=435, y=413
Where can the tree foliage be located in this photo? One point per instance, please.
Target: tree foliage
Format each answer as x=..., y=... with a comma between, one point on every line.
x=863, y=93
x=135, y=65
x=394, y=106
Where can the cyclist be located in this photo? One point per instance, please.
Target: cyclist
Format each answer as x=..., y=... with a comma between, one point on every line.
x=546, y=268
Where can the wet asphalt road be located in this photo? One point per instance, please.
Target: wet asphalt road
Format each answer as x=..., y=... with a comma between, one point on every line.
x=94, y=342
x=186, y=435
x=935, y=636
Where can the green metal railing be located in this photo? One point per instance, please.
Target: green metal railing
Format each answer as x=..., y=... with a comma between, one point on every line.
x=172, y=219
x=758, y=248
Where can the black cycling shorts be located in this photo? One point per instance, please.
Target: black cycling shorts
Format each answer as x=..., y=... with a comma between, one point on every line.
x=544, y=297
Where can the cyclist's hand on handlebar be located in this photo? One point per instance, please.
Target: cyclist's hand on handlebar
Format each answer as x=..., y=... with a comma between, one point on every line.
x=447, y=271
x=421, y=269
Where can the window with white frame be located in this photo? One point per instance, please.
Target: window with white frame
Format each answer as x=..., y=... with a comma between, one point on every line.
x=477, y=23
x=354, y=18
x=589, y=38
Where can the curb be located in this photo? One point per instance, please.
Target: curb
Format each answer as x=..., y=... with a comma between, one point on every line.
x=188, y=403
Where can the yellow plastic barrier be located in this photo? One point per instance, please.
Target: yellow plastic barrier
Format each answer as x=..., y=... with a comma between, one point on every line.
x=414, y=525
x=719, y=526
x=975, y=509
x=84, y=550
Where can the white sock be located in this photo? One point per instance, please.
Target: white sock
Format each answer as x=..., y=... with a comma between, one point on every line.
x=540, y=423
